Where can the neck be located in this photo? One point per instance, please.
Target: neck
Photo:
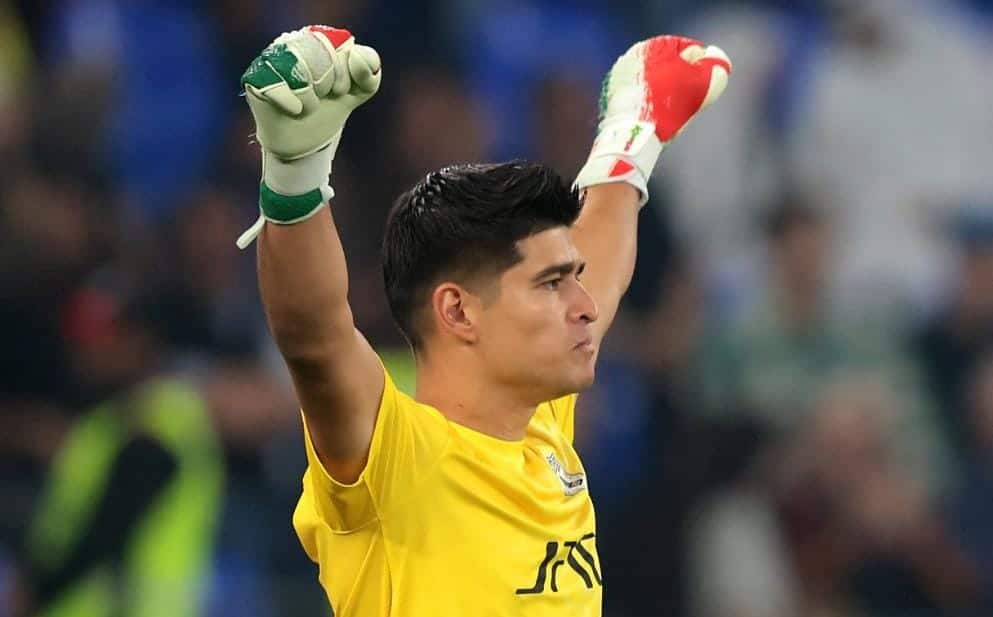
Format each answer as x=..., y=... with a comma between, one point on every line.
x=453, y=386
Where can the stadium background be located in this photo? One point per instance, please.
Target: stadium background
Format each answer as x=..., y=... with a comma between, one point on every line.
x=794, y=412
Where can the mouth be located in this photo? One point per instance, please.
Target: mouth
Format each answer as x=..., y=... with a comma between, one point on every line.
x=586, y=344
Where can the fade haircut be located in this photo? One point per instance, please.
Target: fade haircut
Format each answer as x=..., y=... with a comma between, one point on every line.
x=462, y=224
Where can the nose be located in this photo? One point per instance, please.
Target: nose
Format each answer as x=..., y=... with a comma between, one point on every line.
x=584, y=307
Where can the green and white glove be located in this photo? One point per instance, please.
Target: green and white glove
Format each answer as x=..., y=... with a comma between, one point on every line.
x=301, y=90
x=649, y=96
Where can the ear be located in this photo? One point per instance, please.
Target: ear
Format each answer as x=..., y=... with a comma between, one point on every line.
x=455, y=308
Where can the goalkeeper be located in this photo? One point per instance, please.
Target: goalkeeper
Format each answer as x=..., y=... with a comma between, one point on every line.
x=468, y=498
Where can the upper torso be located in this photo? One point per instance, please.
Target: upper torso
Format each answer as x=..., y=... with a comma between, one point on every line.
x=448, y=521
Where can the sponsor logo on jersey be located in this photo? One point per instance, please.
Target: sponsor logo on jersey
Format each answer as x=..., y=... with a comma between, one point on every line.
x=577, y=554
x=572, y=483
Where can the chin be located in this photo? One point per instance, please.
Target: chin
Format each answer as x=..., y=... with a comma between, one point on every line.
x=582, y=380
x=587, y=381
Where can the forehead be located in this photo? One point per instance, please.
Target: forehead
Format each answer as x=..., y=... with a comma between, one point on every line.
x=545, y=248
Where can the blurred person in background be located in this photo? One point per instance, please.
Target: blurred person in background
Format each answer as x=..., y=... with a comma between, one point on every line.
x=792, y=338
x=971, y=508
x=50, y=243
x=126, y=521
x=864, y=535
x=16, y=63
x=786, y=340
x=636, y=432
x=202, y=303
x=508, y=49
x=951, y=342
x=876, y=136
x=166, y=118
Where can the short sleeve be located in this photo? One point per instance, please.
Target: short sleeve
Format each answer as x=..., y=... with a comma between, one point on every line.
x=564, y=411
x=407, y=441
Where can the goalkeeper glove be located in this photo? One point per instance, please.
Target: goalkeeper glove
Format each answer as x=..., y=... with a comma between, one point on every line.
x=300, y=90
x=648, y=97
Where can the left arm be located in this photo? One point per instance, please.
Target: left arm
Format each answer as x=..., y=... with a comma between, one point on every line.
x=649, y=96
x=606, y=235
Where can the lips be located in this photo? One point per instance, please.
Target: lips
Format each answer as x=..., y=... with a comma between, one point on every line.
x=586, y=342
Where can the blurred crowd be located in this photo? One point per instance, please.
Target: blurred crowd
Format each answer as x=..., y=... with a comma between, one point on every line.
x=793, y=414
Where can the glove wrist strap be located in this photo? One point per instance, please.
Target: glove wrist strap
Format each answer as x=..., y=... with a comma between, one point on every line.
x=290, y=191
x=624, y=151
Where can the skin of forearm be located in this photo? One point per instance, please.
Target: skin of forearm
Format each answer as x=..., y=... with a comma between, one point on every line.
x=303, y=283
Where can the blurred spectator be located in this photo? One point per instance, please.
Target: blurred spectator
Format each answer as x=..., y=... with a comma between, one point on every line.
x=972, y=508
x=565, y=117
x=951, y=343
x=133, y=494
x=863, y=532
x=879, y=139
x=16, y=63
x=508, y=48
x=786, y=341
x=738, y=561
x=167, y=113
x=642, y=445
x=206, y=303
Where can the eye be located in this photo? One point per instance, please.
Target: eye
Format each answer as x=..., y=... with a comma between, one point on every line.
x=552, y=285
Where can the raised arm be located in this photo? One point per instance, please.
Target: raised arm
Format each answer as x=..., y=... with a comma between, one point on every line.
x=301, y=90
x=649, y=96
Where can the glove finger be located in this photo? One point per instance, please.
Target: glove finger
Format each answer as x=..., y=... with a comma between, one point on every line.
x=692, y=53
x=315, y=62
x=342, y=78
x=275, y=76
x=365, y=67
x=282, y=97
x=720, y=70
x=279, y=94
x=338, y=42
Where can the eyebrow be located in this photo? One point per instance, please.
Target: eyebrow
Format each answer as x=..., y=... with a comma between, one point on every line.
x=561, y=269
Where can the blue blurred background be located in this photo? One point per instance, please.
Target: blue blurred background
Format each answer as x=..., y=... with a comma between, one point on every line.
x=794, y=411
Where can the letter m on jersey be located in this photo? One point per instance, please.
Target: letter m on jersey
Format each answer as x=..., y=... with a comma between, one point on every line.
x=573, y=553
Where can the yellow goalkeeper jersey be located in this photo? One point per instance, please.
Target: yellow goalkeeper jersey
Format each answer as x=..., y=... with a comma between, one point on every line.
x=448, y=522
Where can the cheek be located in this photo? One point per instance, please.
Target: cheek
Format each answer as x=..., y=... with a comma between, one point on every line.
x=526, y=328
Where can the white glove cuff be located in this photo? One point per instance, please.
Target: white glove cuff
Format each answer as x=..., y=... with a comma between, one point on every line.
x=624, y=151
x=298, y=176
x=291, y=191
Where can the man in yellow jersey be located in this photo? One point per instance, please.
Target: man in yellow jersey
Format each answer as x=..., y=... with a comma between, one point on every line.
x=467, y=499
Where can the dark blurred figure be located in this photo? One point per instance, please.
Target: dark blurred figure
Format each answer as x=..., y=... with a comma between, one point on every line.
x=885, y=181
x=971, y=511
x=133, y=494
x=16, y=64
x=863, y=533
x=648, y=455
x=49, y=244
x=565, y=119
x=772, y=356
x=202, y=301
x=951, y=343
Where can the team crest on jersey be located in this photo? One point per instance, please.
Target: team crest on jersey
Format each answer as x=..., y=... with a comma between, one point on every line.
x=572, y=483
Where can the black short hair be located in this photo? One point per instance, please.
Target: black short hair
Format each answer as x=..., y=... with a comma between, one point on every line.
x=462, y=222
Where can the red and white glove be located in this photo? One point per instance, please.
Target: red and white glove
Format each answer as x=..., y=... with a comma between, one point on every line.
x=648, y=97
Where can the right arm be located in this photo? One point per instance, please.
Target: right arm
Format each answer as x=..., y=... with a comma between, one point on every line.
x=338, y=378
x=301, y=89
